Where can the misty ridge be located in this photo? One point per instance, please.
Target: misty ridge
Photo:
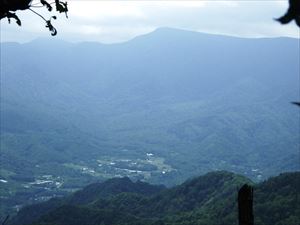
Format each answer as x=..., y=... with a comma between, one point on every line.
x=161, y=108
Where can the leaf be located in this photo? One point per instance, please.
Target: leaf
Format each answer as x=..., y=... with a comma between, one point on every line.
x=296, y=103
x=14, y=16
x=61, y=7
x=51, y=28
x=44, y=3
x=293, y=13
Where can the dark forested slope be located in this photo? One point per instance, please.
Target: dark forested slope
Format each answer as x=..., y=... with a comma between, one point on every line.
x=209, y=199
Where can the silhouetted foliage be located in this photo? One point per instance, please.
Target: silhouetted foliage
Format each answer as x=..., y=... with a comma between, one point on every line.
x=293, y=13
x=50, y=26
x=296, y=103
x=8, y=7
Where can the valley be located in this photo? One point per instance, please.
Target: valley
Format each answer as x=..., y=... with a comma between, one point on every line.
x=160, y=108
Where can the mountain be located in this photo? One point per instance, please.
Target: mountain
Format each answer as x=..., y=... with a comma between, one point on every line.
x=160, y=108
x=208, y=199
x=105, y=190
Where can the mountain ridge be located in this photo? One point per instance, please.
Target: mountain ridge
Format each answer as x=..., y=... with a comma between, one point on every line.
x=158, y=31
x=199, y=199
x=159, y=111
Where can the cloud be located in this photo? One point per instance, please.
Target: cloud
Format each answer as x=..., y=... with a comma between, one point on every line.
x=176, y=4
x=118, y=21
x=99, y=10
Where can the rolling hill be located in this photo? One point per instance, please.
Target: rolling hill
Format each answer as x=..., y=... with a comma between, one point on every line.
x=208, y=199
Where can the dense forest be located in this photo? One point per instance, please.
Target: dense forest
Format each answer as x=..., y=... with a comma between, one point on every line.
x=210, y=199
x=161, y=113
x=107, y=134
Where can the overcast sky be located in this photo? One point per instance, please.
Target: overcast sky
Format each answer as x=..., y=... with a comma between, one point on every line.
x=118, y=21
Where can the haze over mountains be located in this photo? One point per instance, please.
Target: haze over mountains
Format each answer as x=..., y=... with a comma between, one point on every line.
x=161, y=108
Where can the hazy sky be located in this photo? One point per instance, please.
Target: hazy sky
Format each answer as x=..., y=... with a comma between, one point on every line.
x=117, y=21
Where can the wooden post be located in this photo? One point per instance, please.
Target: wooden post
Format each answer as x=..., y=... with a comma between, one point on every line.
x=245, y=202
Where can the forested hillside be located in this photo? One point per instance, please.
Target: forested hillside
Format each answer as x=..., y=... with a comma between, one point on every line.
x=208, y=199
x=160, y=108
